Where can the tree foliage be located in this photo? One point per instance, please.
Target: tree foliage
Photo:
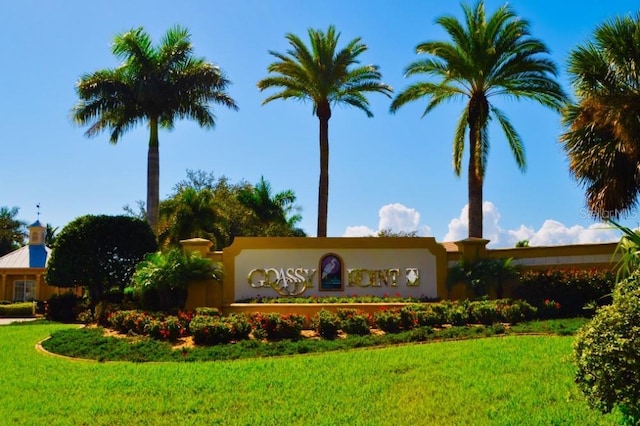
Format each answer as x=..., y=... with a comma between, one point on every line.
x=99, y=253
x=602, y=127
x=213, y=208
x=483, y=274
x=326, y=76
x=487, y=57
x=155, y=85
x=12, y=230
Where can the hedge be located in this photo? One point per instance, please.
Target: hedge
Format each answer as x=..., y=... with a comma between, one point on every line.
x=15, y=310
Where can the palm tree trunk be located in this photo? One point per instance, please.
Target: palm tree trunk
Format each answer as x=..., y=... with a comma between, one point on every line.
x=477, y=119
x=474, y=184
x=475, y=203
x=153, y=176
x=324, y=114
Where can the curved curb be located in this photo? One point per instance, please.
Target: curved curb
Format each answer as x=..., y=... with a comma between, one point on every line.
x=42, y=350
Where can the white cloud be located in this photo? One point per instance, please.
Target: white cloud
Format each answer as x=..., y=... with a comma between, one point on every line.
x=397, y=218
x=555, y=233
x=551, y=232
x=459, y=228
x=358, y=231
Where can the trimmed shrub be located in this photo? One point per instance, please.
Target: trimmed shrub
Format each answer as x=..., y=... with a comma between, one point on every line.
x=209, y=330
x=239, y=325
x=483, y=312
x=208, y=312
x=515, y=311
x=14, y=310
x=130, y=321
x=388, y=320
x=62, y=307
x=170, y=328
x=326, y=324
x=607, y=356
x=457, y=313
x=354, y=321
x=277, y=326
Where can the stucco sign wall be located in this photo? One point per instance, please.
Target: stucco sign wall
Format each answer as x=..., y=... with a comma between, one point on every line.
x=272, y=267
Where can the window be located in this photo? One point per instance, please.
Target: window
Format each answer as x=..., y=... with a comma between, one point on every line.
x=24, y=291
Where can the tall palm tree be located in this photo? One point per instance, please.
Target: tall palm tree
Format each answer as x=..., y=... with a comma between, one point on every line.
x=325, y=76
x=486, y=57
x=603, y=126
x=154, y=84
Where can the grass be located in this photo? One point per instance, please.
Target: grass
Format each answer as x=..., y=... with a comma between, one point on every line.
x=523, y=380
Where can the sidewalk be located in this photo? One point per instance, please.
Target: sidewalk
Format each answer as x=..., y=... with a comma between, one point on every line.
x=4, y=321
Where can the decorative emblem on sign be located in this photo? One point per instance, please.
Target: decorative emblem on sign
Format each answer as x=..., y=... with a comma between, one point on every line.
x=413, y=277
x=331, y=278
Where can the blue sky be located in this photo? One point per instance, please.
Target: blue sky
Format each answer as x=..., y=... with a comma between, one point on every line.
x=386, y=171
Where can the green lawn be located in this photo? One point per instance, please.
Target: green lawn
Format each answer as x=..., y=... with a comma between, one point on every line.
x=517, y=380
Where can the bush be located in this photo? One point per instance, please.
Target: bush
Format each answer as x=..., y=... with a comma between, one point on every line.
x=170, y=328
x=388, y=320
x=160, y=282
x=572, y=289
x=515, y=311
x=100, y=252
x=277, y=326
x=130, y=321
x=483, y=312
x=607, y=355
x=62, y=307
x=354, y=321
x=208, y=312
x=209, y=330
x=102, y=311
x=326, y=324
x=214, y=330
x=239, y=325
x=14, y=310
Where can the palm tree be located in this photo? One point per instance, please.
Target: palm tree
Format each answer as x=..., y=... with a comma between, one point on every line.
x=485, y=58
x=190, y=213
x=154, y=84
x=325, y=76
x=603, y=126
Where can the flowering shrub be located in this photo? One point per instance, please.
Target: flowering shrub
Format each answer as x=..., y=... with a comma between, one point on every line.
x=185, y=318
x=549, y=309
x=354, y=321
x=209, y=330
x=170, y=328
x=239, y=325
x=103, y=309
x=278, y=327
x=483, y=312
x=515, y=311
x=326, y=324
x=210, y=312
x=129, y=321
x=572, y=289
x=457, y=313
x=413, y=316
x=388, y=320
